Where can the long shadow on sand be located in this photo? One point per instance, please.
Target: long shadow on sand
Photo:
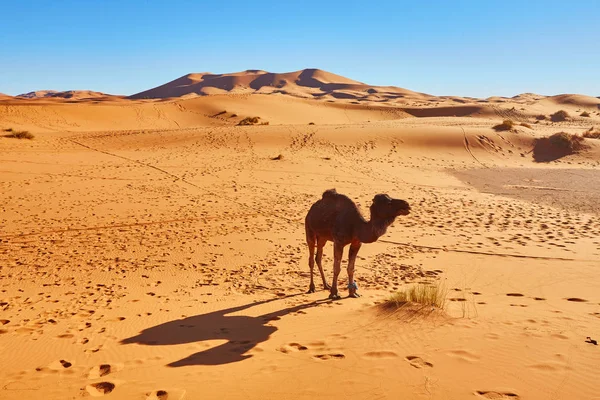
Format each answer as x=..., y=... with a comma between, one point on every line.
x=241, y=332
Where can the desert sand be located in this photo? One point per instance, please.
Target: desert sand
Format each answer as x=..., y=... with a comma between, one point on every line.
x=151, y=248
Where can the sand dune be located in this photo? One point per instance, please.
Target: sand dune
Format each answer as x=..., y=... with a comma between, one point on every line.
x=68, y=94
x=307, y=83
x=154, y=249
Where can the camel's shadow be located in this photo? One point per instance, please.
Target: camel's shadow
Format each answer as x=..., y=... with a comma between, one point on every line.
x=241, y=332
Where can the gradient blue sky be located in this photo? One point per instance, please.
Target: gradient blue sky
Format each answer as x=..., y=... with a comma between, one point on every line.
x=470, y=48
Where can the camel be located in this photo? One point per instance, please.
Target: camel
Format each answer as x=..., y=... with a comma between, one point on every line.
x=336, y=218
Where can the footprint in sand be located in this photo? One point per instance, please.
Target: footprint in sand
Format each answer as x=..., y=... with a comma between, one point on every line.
x=100, y=388
x=104, y=369
x=418, y=362
x=59, y=365
x=291, y=347
x=333, y=356
x=157, y=395
x=497, y=395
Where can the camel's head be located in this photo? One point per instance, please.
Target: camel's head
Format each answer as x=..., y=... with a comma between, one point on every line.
x=385, y=207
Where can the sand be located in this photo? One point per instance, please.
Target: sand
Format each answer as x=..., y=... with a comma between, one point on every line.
x=153, y=249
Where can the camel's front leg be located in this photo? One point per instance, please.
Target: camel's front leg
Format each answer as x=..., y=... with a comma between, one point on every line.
x=311, y=264
x=338, y=250
x=352, y=287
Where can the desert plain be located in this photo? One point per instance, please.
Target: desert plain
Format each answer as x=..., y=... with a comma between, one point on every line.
x=151, y=247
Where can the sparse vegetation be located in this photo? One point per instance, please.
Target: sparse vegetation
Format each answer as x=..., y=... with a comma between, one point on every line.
x=592, y=134
x=584, y=114
x=233, y=116
x=559, y=116
x=18, y=134
x=506, y=125
x=311, y=123
x=540, y=117
x=249, y=121
x=526, y=125
x=558, y=145
x=433, y=295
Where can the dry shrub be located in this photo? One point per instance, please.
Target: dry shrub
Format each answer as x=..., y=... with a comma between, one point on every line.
x=422, y=294
x=559, y=116
x=506, y=125
x=592, y=134
x=540, y=117
x=249, y=121
x=18, y=134
x=311, y=123
x=584, y=114
x=252, y=121
x=556, y=146
x=277, y=158
x=526, y=125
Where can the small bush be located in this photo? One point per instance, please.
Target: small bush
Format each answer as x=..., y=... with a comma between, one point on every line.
x=540, y=117
x=526, y=125
x=506, y=125
x=249, y=121
x=426, y=295
x=233, y=116
x=584, y=114
x=311, y=123
x=8, y=130
x=18, y=134
x=559, y=116
x=559, y=145
x=592, y=134
x=277, y=158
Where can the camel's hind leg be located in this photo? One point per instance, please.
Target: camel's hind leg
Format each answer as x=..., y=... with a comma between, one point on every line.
x=320, y=244
x=311, y=241
x=352, y=287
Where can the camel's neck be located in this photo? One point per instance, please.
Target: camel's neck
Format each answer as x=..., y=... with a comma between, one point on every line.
x=372, y=230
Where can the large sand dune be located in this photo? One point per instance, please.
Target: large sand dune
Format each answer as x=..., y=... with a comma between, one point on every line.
x=305, y=83
x=154, y=249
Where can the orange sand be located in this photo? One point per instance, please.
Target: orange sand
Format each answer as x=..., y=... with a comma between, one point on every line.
x=154, y=245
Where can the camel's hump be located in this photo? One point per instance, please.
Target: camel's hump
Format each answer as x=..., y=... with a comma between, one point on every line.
x=331, y=193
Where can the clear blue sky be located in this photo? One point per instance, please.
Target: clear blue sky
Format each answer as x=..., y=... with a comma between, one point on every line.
x=471, y=48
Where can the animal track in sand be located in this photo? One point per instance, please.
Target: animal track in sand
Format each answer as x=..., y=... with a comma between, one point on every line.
x=104, y=369
x=380, y=354
x=157, y=395
x=418, y=362
x=576, y=300
x=288, y=348
x=497, y=395
x=334, y=356
x=100, y=388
